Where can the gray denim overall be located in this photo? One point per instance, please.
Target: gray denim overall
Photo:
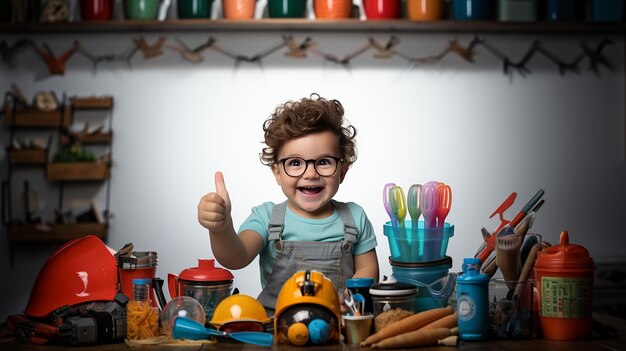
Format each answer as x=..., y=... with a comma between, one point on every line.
x=334, y=258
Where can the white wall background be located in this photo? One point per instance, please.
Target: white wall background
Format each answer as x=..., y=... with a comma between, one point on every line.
x=484, y=133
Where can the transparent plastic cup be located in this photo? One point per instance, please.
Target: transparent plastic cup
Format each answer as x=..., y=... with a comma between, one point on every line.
x=417, y=243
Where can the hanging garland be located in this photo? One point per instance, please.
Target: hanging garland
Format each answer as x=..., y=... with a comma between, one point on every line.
x=56, y=64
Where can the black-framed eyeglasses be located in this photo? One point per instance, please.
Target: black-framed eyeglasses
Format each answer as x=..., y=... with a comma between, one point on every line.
x=324, y=166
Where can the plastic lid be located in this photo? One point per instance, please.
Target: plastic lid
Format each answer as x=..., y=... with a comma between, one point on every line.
x=359, y=282
x=471, y=272
x=206, y=272
x=564, y=255
x=446, y=260
x=140, y=281
x=471, y=261
x=391, y=287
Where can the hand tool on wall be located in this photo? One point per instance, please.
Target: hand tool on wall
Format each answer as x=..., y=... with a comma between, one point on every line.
x=527, y=208
x=489, y=244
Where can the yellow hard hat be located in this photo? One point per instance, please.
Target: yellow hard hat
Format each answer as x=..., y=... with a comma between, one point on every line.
x=308, y=297
x=238, y=308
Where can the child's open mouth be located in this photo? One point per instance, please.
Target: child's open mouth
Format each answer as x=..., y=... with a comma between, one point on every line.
x=310, y=190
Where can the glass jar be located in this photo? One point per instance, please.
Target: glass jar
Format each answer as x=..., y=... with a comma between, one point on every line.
x=391, y=294
x=142, y=318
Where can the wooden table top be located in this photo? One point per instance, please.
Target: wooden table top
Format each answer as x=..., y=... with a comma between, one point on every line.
x=596, y=343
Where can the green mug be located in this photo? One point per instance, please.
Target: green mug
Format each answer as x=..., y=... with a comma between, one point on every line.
x=286, y=8
x=194, y=8
x=141, y=9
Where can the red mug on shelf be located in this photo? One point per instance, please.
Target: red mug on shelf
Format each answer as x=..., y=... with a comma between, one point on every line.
x=381, y=9
x=96, y=10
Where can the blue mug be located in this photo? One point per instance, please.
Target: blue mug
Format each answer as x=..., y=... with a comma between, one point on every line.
x=607, y=10
x=562, y=10
x=468, y=10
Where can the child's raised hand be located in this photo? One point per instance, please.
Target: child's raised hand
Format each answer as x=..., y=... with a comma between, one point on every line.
x=214, y=208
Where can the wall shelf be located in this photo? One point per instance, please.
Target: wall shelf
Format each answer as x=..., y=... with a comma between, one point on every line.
x=95, y=138
x=28, y=157
x=33, y=118
x=53, y=232
x=67, y=224
x=77, y=171
x=92, y=103
x=307, y=25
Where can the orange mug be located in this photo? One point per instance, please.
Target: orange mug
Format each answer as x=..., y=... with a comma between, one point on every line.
x=332, y=8
x=424, y=10
x=238, y=9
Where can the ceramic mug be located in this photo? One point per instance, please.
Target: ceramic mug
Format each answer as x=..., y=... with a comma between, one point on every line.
x=424, y=10
x=607, y=10
x=381, y=9
x=141, y=9
x=464, y=10
x=238, y=9
x=194, y=8
x=5, y=11
x=286, y=8
x=332, y=8
x=562, y=10
x=96, y=10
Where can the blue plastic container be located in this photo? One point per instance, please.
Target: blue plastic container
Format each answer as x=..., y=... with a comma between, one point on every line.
x=469, y=10
x=562, y=10
x=417, y=244
x=472, y=293
x=607, y=10
x=362, y=286
x=434, y=283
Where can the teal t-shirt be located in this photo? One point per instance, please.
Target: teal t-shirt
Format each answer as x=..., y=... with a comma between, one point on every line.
x=306, y=229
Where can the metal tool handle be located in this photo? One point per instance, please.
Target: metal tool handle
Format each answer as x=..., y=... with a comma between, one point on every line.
x=528, y=267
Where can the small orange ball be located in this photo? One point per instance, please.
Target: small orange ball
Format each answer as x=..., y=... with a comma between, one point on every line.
x=298, y=334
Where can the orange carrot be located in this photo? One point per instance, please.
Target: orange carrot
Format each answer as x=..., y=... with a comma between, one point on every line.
x=452, y=340
x=414, y=338
x=448, y=321
x=408, y=324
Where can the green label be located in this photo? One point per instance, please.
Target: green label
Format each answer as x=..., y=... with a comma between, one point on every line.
x=566, y=297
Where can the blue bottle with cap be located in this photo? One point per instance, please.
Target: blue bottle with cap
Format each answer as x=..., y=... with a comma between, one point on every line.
x=472, y=293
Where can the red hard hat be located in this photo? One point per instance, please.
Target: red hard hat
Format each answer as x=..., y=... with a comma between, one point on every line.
x=82, y=270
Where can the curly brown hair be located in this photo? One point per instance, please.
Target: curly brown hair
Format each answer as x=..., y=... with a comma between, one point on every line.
x=315, y=114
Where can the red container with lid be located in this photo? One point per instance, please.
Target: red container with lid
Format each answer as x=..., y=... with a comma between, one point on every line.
x=137, y=265
x=205, y=283
x=564, y=276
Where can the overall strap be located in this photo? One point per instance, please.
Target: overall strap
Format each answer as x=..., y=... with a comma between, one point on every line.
x=277, y=224
x=277, y=221
x=350, y=230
